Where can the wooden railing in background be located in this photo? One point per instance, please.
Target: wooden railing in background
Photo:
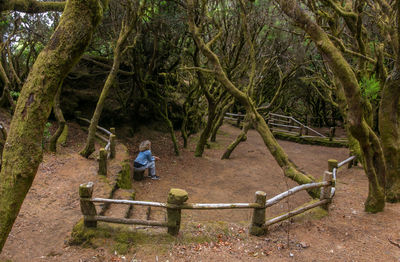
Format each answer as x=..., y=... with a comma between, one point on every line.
x=107, y=152
x=177, y=198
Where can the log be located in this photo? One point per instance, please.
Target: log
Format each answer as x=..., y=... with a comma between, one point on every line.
x=281, y=196
x=128, y=221
x=102, y=162
x=112, y=146
x=98, y=127
x=219, y=206
x=87, y=207
x=258, y=220
x=326, y=190
x=294, y=213
x=138, y=175
x=332, y=163
x=128, y=202
x=176, y=197
x=288, y=126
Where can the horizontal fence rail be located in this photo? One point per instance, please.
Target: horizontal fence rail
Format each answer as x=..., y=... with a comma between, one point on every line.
x=109, y=151
x=177, y=198
x=177, y=201
x=281, y=196
x=291, y=121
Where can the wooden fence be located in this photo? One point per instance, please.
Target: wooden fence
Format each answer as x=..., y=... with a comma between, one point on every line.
x=285, y=124
x=235, y=117
x=177, y=201
x=108, y=152
x=289, y=124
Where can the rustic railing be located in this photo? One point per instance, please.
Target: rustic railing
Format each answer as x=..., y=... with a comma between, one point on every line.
x=235, y=117
x=107, y=152
x=286, y=124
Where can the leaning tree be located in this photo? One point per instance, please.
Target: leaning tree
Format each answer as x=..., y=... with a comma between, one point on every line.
x=23, y=148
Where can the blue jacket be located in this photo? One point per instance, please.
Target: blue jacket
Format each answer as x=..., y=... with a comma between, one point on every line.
x=144, y=157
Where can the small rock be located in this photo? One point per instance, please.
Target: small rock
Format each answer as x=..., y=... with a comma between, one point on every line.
x=291, y=255
x=304, y=245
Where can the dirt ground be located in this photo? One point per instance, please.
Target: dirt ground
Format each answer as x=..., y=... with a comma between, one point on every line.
x=347, y=234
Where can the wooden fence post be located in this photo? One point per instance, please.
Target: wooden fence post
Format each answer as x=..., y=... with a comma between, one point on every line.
x=238, y=121
x=257, y=227
x=112, y=146
x=332, y=163
x=326, y=190
x=290, y=124
x=176, y=197
x=301, y=130
x=88, y=209
x=331, y=133
x=308, y=122
x=102, y=162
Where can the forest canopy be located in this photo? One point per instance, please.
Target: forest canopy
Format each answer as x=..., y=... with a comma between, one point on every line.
x=145, y=62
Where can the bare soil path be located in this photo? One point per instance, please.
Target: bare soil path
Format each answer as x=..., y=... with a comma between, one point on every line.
x=347, y=234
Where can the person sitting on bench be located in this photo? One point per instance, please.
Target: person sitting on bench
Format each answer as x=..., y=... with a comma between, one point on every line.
x=145, y=160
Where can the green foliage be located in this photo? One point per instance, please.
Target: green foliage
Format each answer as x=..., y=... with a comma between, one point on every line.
x=14, y=94
x=46, y=133
x=370, y=87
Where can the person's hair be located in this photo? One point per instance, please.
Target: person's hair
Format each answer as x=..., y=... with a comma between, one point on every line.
x=145, y=145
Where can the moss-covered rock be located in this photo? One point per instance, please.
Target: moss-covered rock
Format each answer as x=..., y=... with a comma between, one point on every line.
x=124, y=180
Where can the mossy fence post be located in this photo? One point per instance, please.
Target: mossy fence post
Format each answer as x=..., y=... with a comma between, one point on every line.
x=332, y=163
x=301, y=131
x=176, y=197
x=326, y=190
x=332, y=133
x=102, y=162
x=88, y=209
x=257, y=227
x=113, y=136
x=308, y=123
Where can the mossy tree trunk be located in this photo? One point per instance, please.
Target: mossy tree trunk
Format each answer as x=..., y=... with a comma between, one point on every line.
x=127, y=27
x=389, y=127
x=6, y=96
x=257, y=120
x=205, y=134
x=240, y=138
x=60, y=119
x=220, y=120
x=31, y=6
x=23, y=150
x=373, y=159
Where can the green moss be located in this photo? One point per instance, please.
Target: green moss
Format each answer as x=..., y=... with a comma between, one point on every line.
x=311, y=140
x=124, y=180
x=62, y=140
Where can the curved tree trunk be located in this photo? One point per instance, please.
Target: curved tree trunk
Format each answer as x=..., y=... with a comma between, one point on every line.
x=389, y=127
x=258, y=121
x=240, y=138
x=23, y=151
x=126, y=29
x=220, y=120
x=60, y=119
x=207, y=130
x=373, y=159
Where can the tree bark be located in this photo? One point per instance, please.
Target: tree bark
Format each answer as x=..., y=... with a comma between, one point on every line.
x=258, y=121
x=220, y=120
x=23, y=150
x=60, y=119
x=373, y=159
x=30, y=6
x=126, y=29
x=240, y=138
